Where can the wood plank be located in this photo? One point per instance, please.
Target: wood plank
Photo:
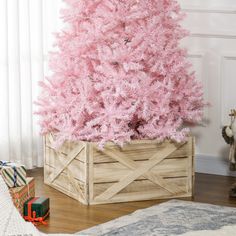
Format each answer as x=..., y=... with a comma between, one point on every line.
x=144, y=144
x=151, y=175
x=77, y=168
x=66, y=186
x=45, y=155
x=62, y=163
x=64, y=173
x=104, y=172
x=141, y=143
x=141, y=154
x=68, y=193
x=86, y=173
x=91, y=172
x=143, y=186
x=193, y=166
x=77, y=175
x=190, y=173
x=139, y=196
x=52, y=153
x=67, y=146
x=76, y=187
x=154, y=160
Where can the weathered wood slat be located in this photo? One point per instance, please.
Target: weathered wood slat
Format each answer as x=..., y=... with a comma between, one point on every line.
x=80, y=157
x=90, y=172
x=141, y=170
x=142, y=186
x=154, y=160
x=65, y=148
x=141, y=154
x=104, y=172
x=76, y=167
x=64, y=183
x=155, y=178
x=75, y=185
x=139, y=196
x=62, y=163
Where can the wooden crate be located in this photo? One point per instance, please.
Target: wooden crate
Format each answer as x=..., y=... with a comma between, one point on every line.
x=141, y=170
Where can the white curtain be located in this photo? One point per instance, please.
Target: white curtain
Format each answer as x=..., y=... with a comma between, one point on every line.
x=25, y=37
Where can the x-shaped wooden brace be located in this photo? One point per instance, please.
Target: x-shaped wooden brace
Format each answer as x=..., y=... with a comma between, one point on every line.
x=62, y=165
x=144, y=170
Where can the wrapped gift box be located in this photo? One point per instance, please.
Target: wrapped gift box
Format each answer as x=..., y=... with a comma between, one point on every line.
x=36, y=209
x=14, y=174
x=21, y=194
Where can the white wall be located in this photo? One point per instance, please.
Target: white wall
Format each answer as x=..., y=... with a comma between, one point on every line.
x=212, y=50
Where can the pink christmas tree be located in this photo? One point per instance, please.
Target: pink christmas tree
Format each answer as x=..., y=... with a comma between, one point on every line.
x=119, y=74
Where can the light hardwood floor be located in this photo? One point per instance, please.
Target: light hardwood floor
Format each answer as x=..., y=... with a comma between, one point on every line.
x=70, y=216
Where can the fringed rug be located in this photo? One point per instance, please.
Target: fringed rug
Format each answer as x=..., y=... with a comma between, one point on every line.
x=171, y=218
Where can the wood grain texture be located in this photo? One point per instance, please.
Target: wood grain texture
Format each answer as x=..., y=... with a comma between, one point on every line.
x=142, y=169
x=70, y=216
x=136, y=173
x=168, y=167
x=132, y=150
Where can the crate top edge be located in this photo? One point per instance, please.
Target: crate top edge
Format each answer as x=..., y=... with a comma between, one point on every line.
x=134, y=142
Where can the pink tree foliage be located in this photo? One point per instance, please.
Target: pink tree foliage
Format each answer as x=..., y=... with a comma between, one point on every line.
x=119, y=74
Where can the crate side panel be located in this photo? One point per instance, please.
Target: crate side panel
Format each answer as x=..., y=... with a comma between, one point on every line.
x=104, y=172
x=175, y=170
x=95, y=172
x=72, y=173
x=77, y=167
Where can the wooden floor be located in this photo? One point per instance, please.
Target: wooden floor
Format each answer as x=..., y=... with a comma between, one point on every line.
x=69, y=216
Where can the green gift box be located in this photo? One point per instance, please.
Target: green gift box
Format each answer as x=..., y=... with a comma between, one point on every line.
x=36, y=209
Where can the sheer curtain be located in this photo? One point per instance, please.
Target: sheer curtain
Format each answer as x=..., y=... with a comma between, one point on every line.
x=25, y=38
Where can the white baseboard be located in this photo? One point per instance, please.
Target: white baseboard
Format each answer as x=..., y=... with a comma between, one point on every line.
x=212, y=165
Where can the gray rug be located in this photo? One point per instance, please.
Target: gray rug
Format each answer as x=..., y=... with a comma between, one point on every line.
x=171, y=218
